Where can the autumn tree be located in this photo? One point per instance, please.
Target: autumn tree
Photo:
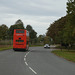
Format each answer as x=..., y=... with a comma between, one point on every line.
x=56, y=29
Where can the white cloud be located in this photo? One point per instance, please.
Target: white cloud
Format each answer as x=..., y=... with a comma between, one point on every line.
x=38, y=13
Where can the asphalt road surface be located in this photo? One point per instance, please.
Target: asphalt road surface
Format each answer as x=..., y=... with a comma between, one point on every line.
x=36, y=61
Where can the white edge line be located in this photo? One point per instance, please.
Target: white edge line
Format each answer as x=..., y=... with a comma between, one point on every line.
x=32, y=70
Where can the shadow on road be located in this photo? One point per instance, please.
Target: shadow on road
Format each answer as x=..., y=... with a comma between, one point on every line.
x=21, y=50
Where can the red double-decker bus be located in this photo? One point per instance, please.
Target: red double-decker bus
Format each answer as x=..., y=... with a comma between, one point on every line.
x=20, y=39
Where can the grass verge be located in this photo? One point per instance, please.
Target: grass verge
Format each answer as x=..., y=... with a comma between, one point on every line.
x=5, y=48
x=69, y=55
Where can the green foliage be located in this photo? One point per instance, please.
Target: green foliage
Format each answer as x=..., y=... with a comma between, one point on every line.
x=70, y=24
x=55, y=31
x=6, y=34
x=40, y=39
x=32, y=34
x=43, y=39
x=29, y=28
x=63, y=30
x=3, y=32
x=71, y=7
x=47, y=40
x=17, y=25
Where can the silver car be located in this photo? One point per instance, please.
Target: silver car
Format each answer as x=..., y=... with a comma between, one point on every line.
x=46, y=46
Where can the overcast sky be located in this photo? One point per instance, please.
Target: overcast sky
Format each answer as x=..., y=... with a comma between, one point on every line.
x=38, y=13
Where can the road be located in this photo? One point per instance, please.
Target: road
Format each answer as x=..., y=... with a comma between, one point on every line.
x=36, y=61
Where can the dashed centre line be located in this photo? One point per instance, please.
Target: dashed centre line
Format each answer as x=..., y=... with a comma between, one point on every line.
x=32, y=70
x=27, y=63
x=25, y=56
x=24, y=59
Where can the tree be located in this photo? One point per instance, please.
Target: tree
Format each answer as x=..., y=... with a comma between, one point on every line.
x=32, y=34
x=3, y=32
x=18, y=22
x=63, y=30
x=29, y=28
x=56, y=29
x=18, y=25
x=69, y=34
x=71, y=7
x=41, y=38
x=47, y=40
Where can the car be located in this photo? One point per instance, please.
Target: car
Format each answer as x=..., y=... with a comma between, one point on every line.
x=46, y=46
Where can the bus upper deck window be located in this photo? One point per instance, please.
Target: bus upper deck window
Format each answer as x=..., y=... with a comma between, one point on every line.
x=19, y=31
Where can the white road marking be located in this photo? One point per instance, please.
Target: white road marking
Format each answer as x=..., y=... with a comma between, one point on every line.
x=32, y=70
x=25, y=56
x=27, y=53
x=24, y=59
x=27, y=63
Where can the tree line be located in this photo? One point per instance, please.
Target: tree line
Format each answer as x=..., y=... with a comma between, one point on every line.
x=63, y=30
x=7, y=33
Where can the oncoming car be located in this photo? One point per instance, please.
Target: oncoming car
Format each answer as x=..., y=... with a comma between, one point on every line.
x=46, y=46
